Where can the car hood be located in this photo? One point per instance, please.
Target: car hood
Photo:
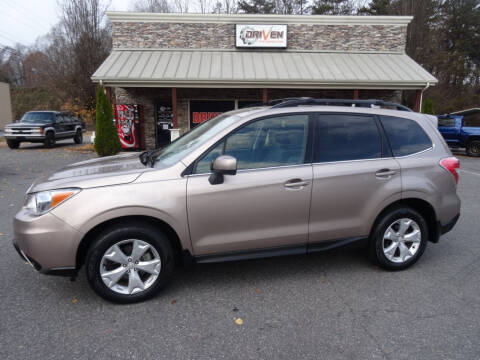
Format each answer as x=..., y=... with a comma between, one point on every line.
x=111, y=170
x=24, y=124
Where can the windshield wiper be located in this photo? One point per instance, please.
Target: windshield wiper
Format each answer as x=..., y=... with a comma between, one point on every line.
x=146, y=157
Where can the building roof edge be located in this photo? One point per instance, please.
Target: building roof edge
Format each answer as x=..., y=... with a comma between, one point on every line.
x=125, y=16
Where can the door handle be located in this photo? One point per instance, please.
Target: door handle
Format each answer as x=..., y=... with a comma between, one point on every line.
x=296, y=183
x=385, y=173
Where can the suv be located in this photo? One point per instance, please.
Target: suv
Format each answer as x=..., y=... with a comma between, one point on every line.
x=45, y=127
x=294, y=178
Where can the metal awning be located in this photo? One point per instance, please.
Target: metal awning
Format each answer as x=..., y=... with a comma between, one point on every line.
x=261, y=69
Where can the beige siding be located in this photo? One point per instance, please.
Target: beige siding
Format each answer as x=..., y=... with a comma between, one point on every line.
x=5, y=105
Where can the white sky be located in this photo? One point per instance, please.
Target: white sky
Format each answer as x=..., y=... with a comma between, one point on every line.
x=23, y=21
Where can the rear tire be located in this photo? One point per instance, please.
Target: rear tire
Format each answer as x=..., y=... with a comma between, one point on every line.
x=78, y=138
x=473, y=148
x=399, y=238
x=13, y=144
x=49, y=141
x=116, y=252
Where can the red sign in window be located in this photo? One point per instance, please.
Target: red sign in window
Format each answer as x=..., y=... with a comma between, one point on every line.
x=200, y=117
x=204, y=110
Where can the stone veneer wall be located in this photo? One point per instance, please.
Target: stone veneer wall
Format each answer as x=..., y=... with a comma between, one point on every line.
x=222, y=36
x=148, y=96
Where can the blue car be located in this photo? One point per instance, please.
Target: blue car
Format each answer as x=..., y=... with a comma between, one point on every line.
x=462, y=130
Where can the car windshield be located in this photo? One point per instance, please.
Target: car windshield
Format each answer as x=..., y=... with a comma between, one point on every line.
x=193, y=140
x=36, y=117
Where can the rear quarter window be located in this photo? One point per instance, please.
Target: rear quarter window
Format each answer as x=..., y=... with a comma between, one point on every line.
x=446, y=122
x=406, y=136
x=472, y=120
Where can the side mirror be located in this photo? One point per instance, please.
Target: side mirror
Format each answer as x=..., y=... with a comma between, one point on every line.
x=222, y=165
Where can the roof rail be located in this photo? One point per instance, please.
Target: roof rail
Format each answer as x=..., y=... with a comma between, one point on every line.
x=292, y=102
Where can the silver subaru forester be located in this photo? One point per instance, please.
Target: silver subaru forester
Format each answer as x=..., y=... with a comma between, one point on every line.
x=300, y=176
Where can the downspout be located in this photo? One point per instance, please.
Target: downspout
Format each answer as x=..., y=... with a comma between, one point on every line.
x=421, y=95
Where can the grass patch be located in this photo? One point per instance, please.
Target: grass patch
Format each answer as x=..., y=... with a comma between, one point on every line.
x=82, y=148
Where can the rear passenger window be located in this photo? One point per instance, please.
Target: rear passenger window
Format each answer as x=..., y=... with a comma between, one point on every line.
x=346, y=137
x=406, y=136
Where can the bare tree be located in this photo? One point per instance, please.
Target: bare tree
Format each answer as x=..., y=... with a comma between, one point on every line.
x=182, y=6
x=334, y=7
x=230, y=6
x=11, y=64
x=204, y=6
x=225, y=7
x=163, y=6
x=160, y=6
x=78, y=45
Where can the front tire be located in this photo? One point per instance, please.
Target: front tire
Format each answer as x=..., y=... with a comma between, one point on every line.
x=399, y=238
x=473, y=148
x=49, y=141
x=130, y=263
x=78, y=138
x=13, y=144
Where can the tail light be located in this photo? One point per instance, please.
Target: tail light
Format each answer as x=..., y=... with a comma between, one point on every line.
x=451, y=164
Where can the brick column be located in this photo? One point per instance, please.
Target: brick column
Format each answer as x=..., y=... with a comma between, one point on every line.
x=174, y=108
x=418, y=101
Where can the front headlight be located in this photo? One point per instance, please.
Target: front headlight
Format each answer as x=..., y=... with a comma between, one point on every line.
x=41, y=202
x=8, y=130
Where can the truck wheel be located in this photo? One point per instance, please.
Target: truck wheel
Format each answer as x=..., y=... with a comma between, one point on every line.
x=473, y=148
x=130, y=263
x=78, y=138
x=399, y=238
x=13, y=144
x=49, y=141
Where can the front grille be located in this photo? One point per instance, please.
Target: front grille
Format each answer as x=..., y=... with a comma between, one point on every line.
x=23, y=131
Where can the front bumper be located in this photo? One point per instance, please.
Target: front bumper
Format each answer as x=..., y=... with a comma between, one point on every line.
x=26, y=258
x=31, y=138
x=46, y=242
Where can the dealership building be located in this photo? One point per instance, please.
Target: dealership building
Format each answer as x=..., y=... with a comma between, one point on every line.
x=183, y=69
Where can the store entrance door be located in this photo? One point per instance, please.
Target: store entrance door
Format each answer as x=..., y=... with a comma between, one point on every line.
x=164, y=118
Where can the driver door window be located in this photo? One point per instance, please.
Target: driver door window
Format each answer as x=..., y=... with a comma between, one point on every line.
x=270, y=142
x=59, y=124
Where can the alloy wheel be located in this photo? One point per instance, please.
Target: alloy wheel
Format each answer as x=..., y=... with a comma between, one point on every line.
x=401, y=240
x=130, y=266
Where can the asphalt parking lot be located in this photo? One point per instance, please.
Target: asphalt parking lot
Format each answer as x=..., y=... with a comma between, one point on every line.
x=331, y=305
